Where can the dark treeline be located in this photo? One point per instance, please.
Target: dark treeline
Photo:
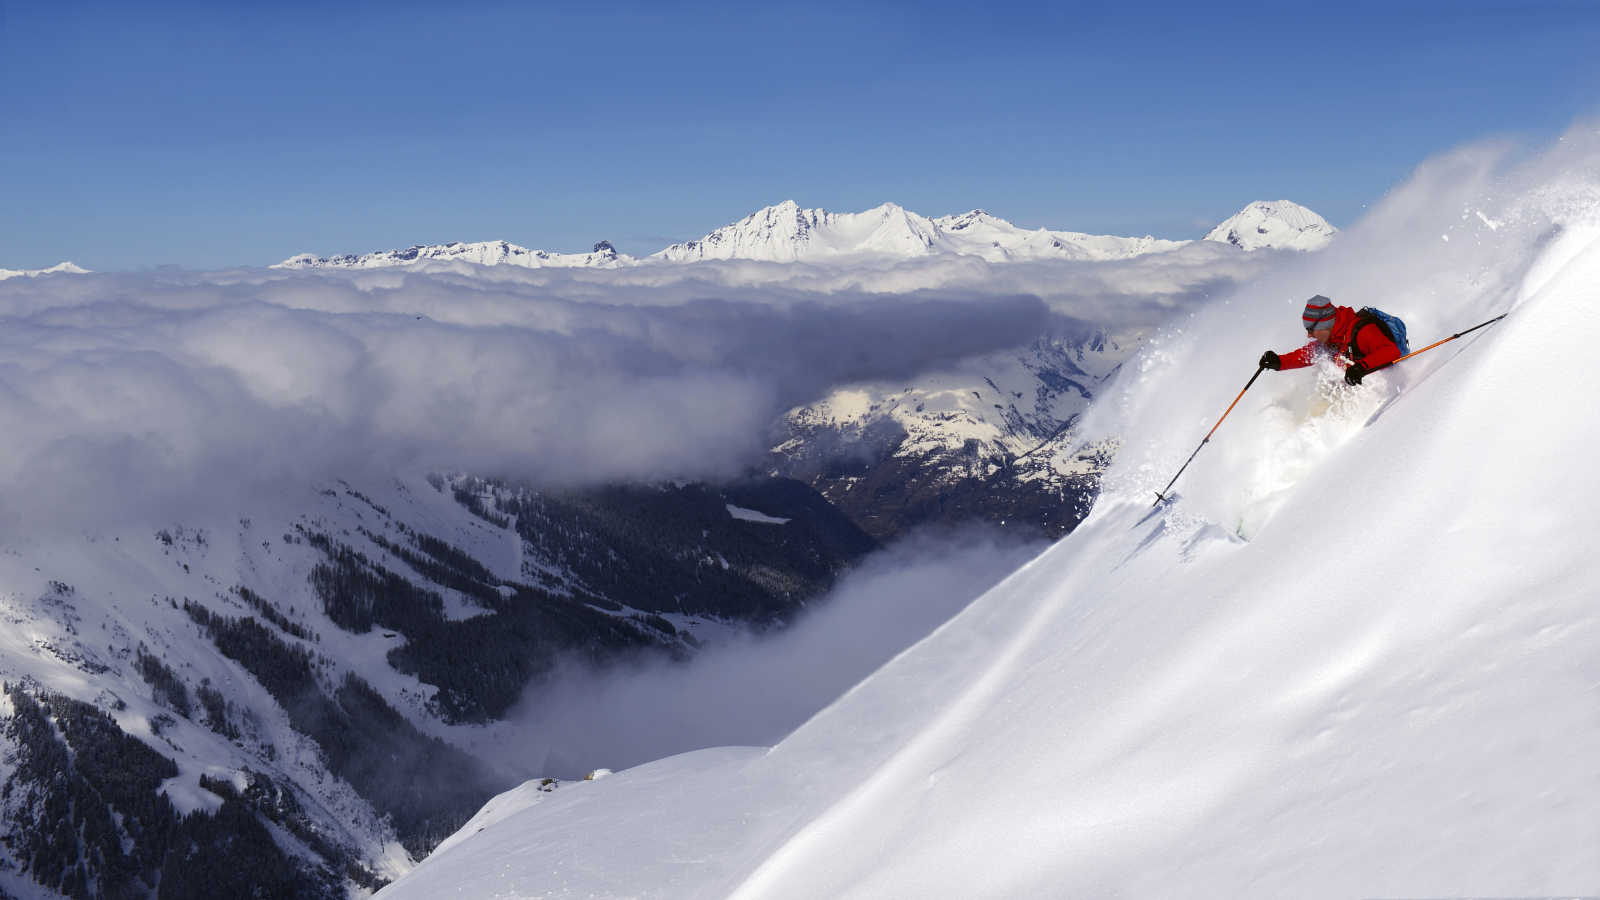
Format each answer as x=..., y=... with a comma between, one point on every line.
x=473, y=500
x=92, y=822
x=452, y=556
x=166, y=688
x=663, y=549
x=427, y=787
x=479, y=665
x=445, y=565
x=217, y=708
x=652, y=549
x=231, y=854
x=357, y=593
x=278, y=804
x=271, y=613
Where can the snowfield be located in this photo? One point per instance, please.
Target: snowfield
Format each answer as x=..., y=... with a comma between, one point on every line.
x=1356, y=657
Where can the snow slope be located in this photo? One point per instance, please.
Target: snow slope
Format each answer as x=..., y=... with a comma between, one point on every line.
x=1389, y=690
x=1278, y=225
x=77, y=609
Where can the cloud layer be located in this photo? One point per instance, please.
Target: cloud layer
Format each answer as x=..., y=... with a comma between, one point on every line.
x=754, y=690
x=149, y=392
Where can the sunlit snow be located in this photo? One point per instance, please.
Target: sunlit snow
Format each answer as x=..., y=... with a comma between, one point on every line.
x=1354, y=658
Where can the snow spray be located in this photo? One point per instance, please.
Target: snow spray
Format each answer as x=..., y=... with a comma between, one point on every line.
x=1161, y=494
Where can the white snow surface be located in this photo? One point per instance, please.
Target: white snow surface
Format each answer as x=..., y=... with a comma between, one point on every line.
x=1388, y=690
x=750, y=515
x=1267, y=224
x=66, y=267
x=787, y=233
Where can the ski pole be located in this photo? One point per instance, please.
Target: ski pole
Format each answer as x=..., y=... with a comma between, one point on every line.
x=1161, y=494
x=1449, y=339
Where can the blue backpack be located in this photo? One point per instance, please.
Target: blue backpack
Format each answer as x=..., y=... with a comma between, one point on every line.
x=1391, y=325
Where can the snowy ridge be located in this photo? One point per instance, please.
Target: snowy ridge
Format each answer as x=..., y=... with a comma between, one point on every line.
x=1280, y=225
x=78, y=613
x=65, y=267
x=483, y=253
x=987, y=440
x=142, y=625
x=1324, y=671
x=789, y=233
x=1007, y=402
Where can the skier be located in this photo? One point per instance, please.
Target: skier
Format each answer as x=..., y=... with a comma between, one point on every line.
x=1356, y=339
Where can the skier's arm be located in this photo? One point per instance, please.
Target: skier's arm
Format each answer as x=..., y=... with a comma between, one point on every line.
x=1299, y=359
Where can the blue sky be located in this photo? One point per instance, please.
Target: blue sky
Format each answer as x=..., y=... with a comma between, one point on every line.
x=206, y=135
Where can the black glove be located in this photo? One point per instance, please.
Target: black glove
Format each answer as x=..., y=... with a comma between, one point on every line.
x=1355, y=373
x=1270, y=360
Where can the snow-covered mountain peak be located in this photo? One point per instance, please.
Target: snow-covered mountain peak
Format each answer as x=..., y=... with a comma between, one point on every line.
x=1280, y=225
x=483, y=253
x=789, y=233
x=965, y=220
x=66, y=268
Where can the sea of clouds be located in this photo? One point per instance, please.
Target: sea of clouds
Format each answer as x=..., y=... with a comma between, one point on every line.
x=144, y=396
x=753, y=689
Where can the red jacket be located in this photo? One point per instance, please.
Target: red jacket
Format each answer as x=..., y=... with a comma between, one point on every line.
x=1376, y=349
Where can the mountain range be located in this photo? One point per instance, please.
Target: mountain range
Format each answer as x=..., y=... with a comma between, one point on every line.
x=980, y=441
x=65, y=268
x=291, y=701
x=789, y=233
x=483, y=253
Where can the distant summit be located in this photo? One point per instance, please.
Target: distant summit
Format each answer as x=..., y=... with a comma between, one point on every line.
x=1269, y=225
x=788, y=232
x=66, y=268
x=483, y=253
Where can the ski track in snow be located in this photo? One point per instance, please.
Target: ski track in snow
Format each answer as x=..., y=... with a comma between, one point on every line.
x=1387, y=691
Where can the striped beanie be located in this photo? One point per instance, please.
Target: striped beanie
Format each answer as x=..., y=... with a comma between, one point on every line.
x=1318, y=314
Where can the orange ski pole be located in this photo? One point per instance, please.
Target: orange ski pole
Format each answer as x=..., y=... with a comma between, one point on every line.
x=1448, y=339
x=1161, y=494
